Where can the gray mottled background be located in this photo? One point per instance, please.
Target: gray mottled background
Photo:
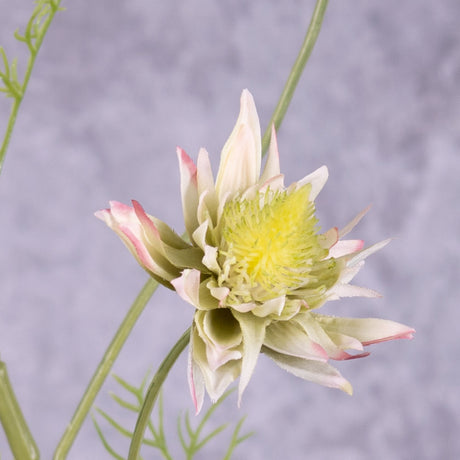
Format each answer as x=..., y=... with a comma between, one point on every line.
x=117, y=86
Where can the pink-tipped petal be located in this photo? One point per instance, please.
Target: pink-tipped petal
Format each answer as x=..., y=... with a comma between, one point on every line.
x=366, y=330
x=188, y=286
x=345, y=247
x=145, y=259
x=150, y=230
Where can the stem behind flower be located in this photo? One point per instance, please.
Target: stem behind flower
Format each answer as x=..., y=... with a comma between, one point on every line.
x=296, y=71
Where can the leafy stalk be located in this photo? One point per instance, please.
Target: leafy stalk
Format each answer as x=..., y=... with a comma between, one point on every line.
x=152, y=394
x=42, y=16
x=20, y=439
x=194, y=439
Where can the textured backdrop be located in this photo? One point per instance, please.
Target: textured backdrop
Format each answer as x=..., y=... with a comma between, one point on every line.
x=117, y=86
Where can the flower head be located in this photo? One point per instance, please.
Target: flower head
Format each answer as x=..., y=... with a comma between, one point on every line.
x=256, y=268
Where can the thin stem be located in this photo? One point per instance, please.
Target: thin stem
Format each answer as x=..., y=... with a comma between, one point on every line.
x=296, y=71
x=103, y=369
x=54, y=8
x=152, y=394
x=20, y=439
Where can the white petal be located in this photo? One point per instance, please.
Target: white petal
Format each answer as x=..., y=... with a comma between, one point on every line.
x=241, y=155
x=360, y=256
x=253, y=329
x=315, y=371
x=210, y=258
x=349, y=290
x=244, y=307
x=273, y=306
x=199, y=235
x=317, y=179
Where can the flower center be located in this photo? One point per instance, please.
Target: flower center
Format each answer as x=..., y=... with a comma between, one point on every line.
x=269, y=244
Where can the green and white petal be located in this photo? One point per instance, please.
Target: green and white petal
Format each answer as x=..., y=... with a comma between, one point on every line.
x=289, y=338
x=253, y=330
x=221, y=333
x=195, y=376
x=272, y=307
x=216, y=381
x=317, y=334
x=189, y=190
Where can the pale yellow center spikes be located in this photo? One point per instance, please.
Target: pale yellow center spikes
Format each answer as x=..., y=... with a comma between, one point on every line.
x=269, y=244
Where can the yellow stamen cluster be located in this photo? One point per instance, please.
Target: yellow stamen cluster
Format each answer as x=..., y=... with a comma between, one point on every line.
x=269, y=244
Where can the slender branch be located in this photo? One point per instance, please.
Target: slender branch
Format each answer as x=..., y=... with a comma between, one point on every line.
x=54, y=7
x=103, y=369
x=296, y=71
x=20, y=439
x=152, y=394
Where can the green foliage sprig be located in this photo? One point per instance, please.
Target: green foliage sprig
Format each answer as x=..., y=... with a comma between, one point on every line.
x=32, y=37
x=192, y=441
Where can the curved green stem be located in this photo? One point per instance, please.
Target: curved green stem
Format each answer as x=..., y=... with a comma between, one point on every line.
x=20, y=439
x=296, y=71
x=103, y=369
x=54, y=7
x=152, y=394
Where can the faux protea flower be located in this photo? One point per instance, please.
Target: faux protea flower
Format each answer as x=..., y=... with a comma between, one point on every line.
x=255, y=267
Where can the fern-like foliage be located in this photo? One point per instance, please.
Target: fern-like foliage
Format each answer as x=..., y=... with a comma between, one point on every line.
x=191, y=439
x=35, y=31
x=33, y=35
x=9, y=76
